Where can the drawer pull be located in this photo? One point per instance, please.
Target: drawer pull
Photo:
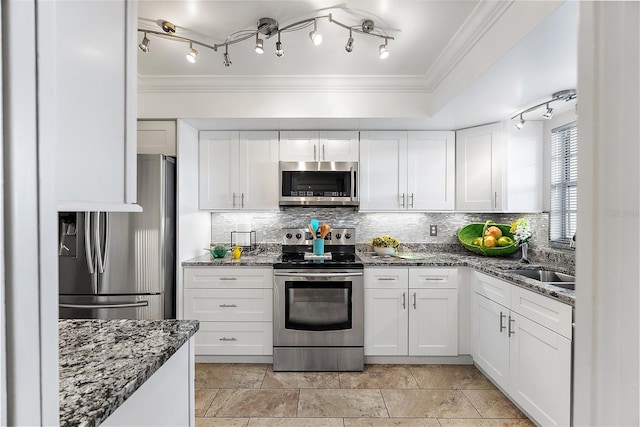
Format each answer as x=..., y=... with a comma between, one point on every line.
x=386, y=278
x=434, y=278
x=228, y=339
x=228, y=278
x=228, y=305
x=511, y=332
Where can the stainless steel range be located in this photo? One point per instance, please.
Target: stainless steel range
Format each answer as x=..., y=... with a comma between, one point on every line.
x=318, y=304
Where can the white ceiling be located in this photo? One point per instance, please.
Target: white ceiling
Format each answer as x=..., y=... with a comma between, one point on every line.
x=471, y=62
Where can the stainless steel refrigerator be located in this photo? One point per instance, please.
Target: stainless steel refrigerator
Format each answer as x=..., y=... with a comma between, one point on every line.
x=122, y=265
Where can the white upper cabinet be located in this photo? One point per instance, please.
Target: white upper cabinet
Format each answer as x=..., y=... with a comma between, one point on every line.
x=311, y=146
x=499, y=168
x=402, y=170
x=87, y=80
x=238, y=170
x=479, y=168
x=157, y=137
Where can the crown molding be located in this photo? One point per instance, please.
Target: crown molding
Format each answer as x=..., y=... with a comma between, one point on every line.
x=282, y=84
x=479, y=21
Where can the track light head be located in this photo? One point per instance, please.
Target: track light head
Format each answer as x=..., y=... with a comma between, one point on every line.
x=259, y=45
x=549, y=113
x=384, y=52
x=314, y=35
x=349, y=46
x=225, y=57
x=192, y=56
x=279, y=51
x=520, y=123
x=144, y=46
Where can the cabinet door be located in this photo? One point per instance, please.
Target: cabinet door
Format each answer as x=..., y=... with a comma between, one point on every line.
x=383, y=171
x=479, y=168
x=258, y=170
x=90, y=83
x=299, y=146
x=491, y=339
x=540, y=372
x=433, y=322
x=431, y=170
x=339, y=146
x=524, y=164
x=385, y=322
x=157, y=137
x=218, y=170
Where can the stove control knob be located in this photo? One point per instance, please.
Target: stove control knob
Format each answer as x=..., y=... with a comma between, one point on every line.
x=347, y=236
x=338, y=236
x=298, y=236
x=289, y=236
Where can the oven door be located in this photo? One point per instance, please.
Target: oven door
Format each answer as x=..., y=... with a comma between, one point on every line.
x=318, y=308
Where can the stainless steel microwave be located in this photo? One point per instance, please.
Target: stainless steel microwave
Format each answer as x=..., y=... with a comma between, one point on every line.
x=319, y=184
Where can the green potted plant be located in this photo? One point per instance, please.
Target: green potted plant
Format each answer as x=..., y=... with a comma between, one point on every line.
x=385, y=245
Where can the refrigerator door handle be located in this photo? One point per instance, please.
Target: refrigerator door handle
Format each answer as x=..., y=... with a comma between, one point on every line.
x=90, y=306
x=98, y=243
x=88, y=246
x=106, y=240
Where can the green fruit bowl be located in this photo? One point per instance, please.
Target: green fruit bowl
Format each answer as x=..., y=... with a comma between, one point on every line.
x=476, y=229
x=218, y=251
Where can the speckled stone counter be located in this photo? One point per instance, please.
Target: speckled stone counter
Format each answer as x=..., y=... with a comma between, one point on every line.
x=262, y=259
x=498, y=267
x=103, y=362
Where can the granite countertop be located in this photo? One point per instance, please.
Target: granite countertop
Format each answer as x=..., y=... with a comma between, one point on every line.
x=102, y=362
x=497, y=267
x=251, y=259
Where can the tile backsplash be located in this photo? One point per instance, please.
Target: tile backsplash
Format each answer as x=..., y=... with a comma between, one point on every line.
x=408, y=227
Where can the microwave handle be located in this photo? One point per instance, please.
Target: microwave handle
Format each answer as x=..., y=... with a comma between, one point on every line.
x=353, y=182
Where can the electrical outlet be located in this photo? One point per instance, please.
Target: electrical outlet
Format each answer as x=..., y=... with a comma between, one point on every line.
x=433, y=230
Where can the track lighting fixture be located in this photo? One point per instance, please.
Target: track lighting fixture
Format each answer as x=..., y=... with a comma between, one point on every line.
x=192, y=56
x=314, y=35
x=349, y=46
x=259, y=45
x=144, y=46
x=267, y=27
x=279, y=51
x=563, y=95
x=384, y=53
x=226, y=59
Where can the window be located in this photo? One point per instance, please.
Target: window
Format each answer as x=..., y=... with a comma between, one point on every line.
x=564, y=183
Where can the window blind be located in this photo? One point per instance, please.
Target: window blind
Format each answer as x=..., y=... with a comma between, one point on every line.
x=564, y=183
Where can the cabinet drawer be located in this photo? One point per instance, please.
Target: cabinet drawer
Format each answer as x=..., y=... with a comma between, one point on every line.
x=230, y=338
x=495, y=289
x=222, y=277
x=227, y=305
x=543, y=310
x=424, y=278
x=386, y=278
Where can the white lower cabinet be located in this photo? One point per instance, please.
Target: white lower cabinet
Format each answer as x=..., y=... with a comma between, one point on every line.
x=524, y=346
x=410, y=311
x=235, y=308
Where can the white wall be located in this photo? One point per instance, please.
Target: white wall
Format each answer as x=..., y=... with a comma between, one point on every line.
x=607, y=320
x=194, y=226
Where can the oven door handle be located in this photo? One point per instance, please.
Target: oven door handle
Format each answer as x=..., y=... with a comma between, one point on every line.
x=327, y=274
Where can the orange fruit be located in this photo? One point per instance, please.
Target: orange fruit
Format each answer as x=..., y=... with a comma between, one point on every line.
x=493, y=231
x=490, y=241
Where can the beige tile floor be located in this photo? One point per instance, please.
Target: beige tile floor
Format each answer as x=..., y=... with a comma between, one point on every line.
x=252, y=395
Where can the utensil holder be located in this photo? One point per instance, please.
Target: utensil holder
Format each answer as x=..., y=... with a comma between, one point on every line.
x=318, y=246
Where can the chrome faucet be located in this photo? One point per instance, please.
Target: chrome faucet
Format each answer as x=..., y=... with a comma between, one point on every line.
x=572, y=243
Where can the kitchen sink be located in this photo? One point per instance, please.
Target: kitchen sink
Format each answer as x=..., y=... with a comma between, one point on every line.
x=555, y=278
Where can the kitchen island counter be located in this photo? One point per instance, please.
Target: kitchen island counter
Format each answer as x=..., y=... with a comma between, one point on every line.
x=497, y=267
x=103, y=362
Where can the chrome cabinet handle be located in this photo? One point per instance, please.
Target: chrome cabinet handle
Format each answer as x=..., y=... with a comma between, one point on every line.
x=324, y=157
x=386, y=278
x=228, y=339
x=314, y=152
x=228, y=278
x=414, y=300
x=404, y=300
x=434, y=279
x=228, y=305
x=242, y=200
x=502, y=327
x=411, y=199
x=234, y=200
x=511, y=332
x=403, y=200
x=495, y=199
